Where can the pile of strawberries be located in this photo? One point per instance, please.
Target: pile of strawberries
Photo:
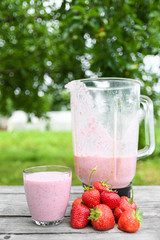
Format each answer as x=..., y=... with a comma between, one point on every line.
x=104, y=207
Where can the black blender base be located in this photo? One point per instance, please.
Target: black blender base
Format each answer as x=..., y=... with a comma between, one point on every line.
x=126, y=191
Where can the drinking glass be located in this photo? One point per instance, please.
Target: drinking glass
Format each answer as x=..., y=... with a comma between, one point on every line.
x=47, y=190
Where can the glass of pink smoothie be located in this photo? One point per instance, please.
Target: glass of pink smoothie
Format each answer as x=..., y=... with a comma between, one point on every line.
x=47, y=190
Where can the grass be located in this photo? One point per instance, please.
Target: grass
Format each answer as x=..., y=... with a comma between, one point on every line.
x=147, y=172
x=19, y=150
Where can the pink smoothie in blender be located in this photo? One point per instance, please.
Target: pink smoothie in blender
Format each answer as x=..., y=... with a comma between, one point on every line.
x=105, y=118
x=125, y=170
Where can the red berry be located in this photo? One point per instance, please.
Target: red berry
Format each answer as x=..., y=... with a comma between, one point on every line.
x=91, y=198
x=117, y=213
x=123, y=206
x=102, y=217
x=79, y=216
x=101, y=186
x=129, y=221
x=111, y=199
x=77, y=201
x=134, y=206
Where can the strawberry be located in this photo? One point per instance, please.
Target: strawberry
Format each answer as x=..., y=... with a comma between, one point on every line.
x=91, y=197
x=79, y=216
x=111, y=199
x=77, y=201
x=102, y=217
x=134, y=206
x=101, y=186
x=130, y=220
x=125, y=204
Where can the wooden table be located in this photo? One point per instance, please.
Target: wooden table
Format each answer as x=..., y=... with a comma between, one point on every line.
x=15, y=221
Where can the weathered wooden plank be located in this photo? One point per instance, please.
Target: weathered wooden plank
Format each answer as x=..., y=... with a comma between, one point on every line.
x=147, y=193
x=140, y=235
x=14, y=223
x=18, y=225
x=20, y=189
x=18, y=207
x=149, y=190
x=11, y=189
x=146, y=198
x=7, y=197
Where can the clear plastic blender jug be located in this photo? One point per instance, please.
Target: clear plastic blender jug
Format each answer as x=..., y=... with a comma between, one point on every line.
x=105, y=119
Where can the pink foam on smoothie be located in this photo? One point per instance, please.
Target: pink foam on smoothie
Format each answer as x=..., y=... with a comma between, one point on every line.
x=47, y=194
x=119, y=172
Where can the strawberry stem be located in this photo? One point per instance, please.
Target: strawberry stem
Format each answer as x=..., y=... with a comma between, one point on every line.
x=138, y=215
x=94, y=214
x=132, y=194
x=130, y=200
x=93, y=170
x=105, y=183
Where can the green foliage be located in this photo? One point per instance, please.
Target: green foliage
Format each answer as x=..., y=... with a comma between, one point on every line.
x=19, y=150
x=111, y=38
x=42, y=48
x=24, y=54
x=28, y=56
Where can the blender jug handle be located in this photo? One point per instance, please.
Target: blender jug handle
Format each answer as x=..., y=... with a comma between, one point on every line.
x=149, y=127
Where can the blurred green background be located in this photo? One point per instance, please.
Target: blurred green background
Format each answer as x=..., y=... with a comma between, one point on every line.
x=20, y=150
x=45, y=44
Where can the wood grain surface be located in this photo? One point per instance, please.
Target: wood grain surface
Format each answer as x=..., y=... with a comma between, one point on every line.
x=16, y=223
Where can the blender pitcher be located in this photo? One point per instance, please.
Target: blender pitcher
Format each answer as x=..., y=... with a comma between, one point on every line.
x=105, y=128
